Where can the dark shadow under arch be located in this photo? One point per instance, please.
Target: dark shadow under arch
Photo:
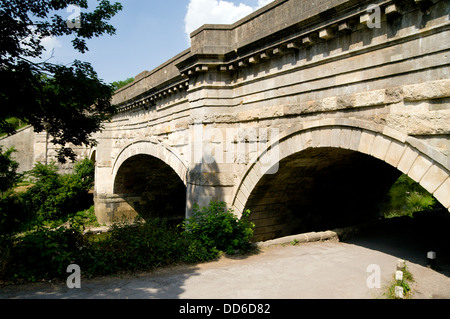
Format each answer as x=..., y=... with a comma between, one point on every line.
x=151, y=188
x=319, y=189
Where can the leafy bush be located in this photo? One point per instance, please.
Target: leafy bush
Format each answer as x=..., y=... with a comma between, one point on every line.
x=8, y=170
x=12, y=213
x=142, y=246
x=84, y=218
x=54, y=196
x=219, y=229
x=145, y=245
x=13, y=216
x=44, y=254
x=406, y=197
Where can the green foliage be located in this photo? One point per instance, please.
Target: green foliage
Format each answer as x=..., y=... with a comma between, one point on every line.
x=54, y=196
x=44, y=254
x=407, y=197
x=404, y=283
x=83, y=219
x=12, y=124
x=12, y=214
x=69, y=101
x=120, y=84
x=8, y=170
x=219, y=229
x=84, y=172
x=142, y=246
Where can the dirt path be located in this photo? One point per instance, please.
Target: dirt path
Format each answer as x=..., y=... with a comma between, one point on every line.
x=322, y=270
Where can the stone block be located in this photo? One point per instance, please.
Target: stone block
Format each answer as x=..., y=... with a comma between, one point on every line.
x=366, y=142
x=394, y=153
x=326, y=33
x=244, y=190
x=392, y=10
x=393, y=95
x=419, y=168
x=345, y=102
x=365, y=18
x=335, y=137
x=211, y=179
x=308, y=40
x=380, y=147
x=355, y=139
x=346, y=26
x=293, y=46
x=401, y=265
x=426, y=91
x=328, y=104
x=407, y=160
x=394, y=134
x=399, y=292
x=433, y=178
x=346, y=137
x=254, y=60
x=242, y=198
x=291, y=146
x=323, y=137
x=442, y=193
x=306, y=139
x=366, y=99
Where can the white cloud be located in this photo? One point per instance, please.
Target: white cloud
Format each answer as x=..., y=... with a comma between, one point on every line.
x=262, y=3
x=50, y=44
x=202, y=12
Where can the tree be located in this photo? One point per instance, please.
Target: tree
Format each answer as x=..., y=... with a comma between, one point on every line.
x=70, y=102
x=120, y=84
x=8, y=170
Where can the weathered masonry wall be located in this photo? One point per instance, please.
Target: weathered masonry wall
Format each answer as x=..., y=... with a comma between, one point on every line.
x=32, y=148
x=285, y=113
x=346, y=108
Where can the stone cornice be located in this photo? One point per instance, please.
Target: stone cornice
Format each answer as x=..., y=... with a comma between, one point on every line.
x=215, y=48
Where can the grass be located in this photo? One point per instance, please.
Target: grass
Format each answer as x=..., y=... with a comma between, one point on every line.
x=405, y=283
x=407, y=197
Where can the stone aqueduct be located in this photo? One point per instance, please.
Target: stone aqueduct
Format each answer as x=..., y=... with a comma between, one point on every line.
x=345, y=99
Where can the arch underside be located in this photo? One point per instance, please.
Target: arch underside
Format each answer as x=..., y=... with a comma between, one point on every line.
x=334, y=176
x=319, y=189
x=150, y=182
x=150, y=188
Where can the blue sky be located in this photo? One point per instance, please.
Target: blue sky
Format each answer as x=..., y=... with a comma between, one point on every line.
x=149, y=32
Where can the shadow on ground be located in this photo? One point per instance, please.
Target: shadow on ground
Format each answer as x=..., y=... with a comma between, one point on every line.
x=410, y=238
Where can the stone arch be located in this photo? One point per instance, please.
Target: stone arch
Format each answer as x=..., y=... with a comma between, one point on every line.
x=156, y=149
x=149, y=180
x=424, y=164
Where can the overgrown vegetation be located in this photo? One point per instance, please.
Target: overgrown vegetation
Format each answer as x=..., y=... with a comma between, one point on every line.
x=14, y=123
x=42, y=230
x=44, y=253
x=120, y=84
x=53, y=197
x=405, y=283
x=407, y=197
x=219, y=229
